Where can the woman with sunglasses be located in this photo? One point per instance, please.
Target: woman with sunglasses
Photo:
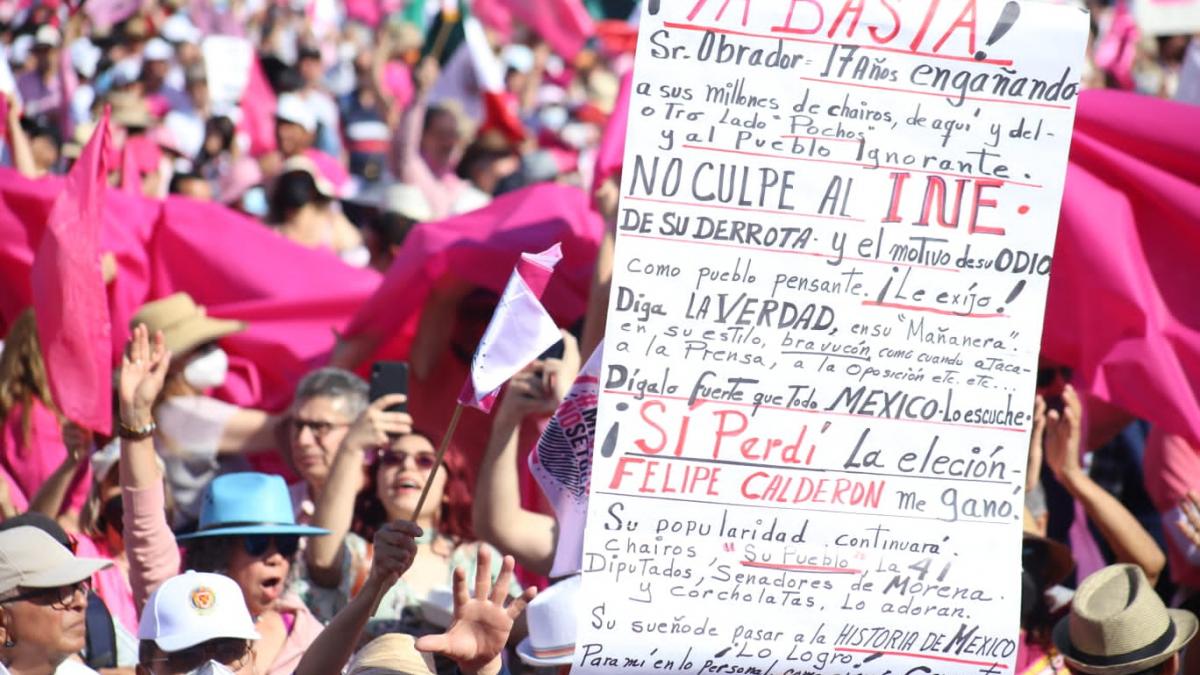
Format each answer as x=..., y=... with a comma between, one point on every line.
x=399, y=464
x=247, y=529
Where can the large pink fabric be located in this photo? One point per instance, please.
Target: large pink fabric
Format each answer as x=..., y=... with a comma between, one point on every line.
x=293, y=298
x=1122, y=307
x=30, y=459
x=480, y=248
x=565, y=25
x=68, y=292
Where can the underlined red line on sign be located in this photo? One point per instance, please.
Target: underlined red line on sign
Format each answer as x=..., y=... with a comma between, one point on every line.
x=705, y=205
x=816, y=41
x=917, y=655
x=864, y=165
x=763, y=406
x=798, y=568
x=780, y=250
x=931, y=310
x=940, y=94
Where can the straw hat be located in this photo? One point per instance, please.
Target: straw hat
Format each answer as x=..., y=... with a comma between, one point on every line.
x=184, y=323
x=391, y=654
x=1118, y=625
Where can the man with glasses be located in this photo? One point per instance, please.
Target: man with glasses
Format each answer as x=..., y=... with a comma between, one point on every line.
x=43, y=600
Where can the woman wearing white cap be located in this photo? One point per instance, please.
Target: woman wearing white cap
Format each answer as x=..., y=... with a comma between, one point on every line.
x=43, y=598
x=196, y=622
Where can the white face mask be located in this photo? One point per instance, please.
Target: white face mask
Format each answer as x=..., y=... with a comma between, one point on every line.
x=212, y=668
x=208, y=371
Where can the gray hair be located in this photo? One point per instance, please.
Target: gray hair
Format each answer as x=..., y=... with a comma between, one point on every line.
x=338, y=384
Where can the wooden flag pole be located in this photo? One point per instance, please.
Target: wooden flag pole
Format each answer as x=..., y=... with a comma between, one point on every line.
x=443, y=34
x=438, y=462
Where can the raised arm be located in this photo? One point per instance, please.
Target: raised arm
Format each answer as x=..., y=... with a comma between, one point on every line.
x=1129, y=540
x=50, y=496
x=150, y=546
x=335, y=508
x=406, y=151
x=249, y=430
x=395, y=548
x=497, y=515
x=18, y=141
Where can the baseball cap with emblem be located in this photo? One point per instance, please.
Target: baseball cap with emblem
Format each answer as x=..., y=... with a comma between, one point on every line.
x=31, y=558
x=195, y=607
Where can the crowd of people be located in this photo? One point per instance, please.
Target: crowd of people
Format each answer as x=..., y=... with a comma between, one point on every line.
x=165, y=549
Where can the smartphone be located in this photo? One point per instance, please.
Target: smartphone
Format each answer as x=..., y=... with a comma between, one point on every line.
x=390, y=377
x=554, y=352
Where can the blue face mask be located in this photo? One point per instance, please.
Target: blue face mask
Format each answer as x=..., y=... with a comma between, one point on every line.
x=254, y=202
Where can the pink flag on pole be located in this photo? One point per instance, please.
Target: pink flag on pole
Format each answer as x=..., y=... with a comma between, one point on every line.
x=611, y=153
x=519, y=331
x=562, y=463
x=258, y=111
x=68, y=292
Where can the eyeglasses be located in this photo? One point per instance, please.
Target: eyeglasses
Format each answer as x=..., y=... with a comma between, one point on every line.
x=318, y=428
x=425, y=461
x=59, y=597
x=1047, y=376
x=257, y=545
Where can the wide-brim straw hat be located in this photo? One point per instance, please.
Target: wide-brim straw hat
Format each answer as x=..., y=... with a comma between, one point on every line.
x=1118, y=625
x=390, y=654
x=184, y=324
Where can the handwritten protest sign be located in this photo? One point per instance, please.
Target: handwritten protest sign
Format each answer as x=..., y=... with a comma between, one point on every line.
x=834, y=244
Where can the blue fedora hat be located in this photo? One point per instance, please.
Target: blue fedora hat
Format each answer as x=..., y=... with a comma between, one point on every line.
x=248, y=503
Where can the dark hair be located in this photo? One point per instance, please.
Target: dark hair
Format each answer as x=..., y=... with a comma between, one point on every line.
x=41, y=127
x=179, y=179
x=208, y=554
x=454, y=521
x=488, y=148
x=288, y=80
x=293, y=191
x=221, y=650
x=433, y=112
x=224, y=129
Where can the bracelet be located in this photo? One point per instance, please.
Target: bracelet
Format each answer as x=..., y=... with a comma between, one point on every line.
x=139, y=434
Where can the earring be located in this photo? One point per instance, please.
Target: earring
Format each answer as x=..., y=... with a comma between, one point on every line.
x=8, y=643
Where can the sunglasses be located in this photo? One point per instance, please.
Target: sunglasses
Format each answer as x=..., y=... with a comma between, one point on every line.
x=257, y=545
x=1047, y=376
x=59, y=597
x=425, y=461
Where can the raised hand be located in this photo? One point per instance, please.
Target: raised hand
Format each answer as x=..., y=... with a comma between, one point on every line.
x=78, y=441
x=395, y=550
x=1063, y=438
x=372, y=427
x=1189, y=525
x=143, y=370
x=481, y=624
x=1033, y=465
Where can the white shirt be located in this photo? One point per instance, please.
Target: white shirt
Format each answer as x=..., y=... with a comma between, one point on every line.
x=190, y=429
x=67, y=667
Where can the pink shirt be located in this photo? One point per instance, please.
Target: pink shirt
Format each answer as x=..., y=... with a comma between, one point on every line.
x=1171, y=468
x=30, y=464
x=154, y=557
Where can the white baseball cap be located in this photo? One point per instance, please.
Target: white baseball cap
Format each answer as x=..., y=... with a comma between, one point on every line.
x=31, y=558
x=195, y=607
x=552, y=625
x=180, y=29
x=47, y=36
x=158, y=49
x=291, y=108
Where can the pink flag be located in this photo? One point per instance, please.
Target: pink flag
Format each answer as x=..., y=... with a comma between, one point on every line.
x=108, y=13
x=611, y=153
x=1122, y=307
x=565, y=25
x=562, y=463
x=519, y=331
x=68, y=293
x=258, y=111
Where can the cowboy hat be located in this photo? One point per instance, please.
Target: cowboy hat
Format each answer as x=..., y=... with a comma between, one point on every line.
x=248, y=503
x=552, y=625
x=183, y=323
x=1118, y=624
x=393, y=653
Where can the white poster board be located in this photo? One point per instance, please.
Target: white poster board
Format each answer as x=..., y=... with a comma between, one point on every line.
x=227, y=61
x=1167, y=17
x=833, y=254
